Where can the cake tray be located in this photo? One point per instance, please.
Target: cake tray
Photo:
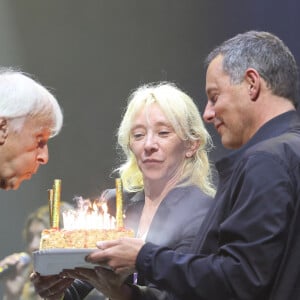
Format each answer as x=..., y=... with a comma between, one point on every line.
x=53, y=261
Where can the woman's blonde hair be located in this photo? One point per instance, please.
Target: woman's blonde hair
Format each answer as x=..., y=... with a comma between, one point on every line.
x=185, y=118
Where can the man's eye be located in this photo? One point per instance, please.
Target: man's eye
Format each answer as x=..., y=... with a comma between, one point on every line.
x=42, y=143
x=214, y=99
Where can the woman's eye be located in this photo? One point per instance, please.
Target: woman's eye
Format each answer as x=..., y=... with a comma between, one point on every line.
x=137, y=136
x=164, y=133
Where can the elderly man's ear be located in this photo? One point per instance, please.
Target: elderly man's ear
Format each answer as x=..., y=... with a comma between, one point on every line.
x=3, y=130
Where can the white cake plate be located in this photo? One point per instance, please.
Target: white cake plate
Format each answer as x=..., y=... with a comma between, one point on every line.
x=53, y=261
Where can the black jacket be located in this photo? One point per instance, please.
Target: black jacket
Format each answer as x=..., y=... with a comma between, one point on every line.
x=249, y=245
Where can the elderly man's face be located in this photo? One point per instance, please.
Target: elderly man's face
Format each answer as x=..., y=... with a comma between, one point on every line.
x=23, y=152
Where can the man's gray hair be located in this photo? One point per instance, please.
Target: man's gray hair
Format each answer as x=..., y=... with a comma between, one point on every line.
x=265, y=53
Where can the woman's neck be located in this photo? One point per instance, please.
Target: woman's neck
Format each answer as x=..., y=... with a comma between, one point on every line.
x=155, y=191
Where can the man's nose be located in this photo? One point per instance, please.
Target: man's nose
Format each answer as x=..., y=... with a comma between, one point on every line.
x=209, y=113
x=43, y=155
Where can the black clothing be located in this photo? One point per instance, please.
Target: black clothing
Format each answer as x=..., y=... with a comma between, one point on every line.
x=249, y=245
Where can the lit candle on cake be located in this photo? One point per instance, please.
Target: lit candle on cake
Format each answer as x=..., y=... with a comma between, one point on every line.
x=56, y=203
x=106, y=217
x=119, y=203
x=88, y=215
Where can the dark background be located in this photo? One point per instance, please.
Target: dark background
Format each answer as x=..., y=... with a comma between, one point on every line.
x=92, y=54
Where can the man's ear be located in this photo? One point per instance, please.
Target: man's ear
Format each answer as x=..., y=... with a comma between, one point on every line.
x=3, y=130
x=253, y=78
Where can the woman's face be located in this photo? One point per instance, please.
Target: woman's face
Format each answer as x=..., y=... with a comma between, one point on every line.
x=34, y=235
x=159, y=151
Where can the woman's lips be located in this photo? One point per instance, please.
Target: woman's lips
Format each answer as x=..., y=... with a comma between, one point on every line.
x=151, y=161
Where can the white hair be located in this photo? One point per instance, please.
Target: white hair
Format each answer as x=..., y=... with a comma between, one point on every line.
x=22, y=97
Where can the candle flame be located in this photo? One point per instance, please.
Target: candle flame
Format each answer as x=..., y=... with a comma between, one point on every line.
x=88, y=215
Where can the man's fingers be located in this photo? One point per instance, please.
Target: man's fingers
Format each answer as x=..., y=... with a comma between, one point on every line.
x=107, y=244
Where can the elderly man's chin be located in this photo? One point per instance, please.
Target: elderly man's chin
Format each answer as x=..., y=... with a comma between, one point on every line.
x=11, y=184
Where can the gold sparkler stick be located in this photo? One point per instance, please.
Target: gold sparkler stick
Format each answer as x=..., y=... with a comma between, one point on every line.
x=119, y=203
x=56, y=203
x=50, y=203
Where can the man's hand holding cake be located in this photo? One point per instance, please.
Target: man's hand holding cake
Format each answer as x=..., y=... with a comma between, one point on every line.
x=102, y=279
x=124, y=251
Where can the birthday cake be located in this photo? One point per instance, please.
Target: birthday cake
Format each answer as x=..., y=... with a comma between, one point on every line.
x=83, y=227
x=79, y=238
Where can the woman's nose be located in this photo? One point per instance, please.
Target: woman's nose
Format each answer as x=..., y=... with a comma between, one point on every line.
x=150, y=142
